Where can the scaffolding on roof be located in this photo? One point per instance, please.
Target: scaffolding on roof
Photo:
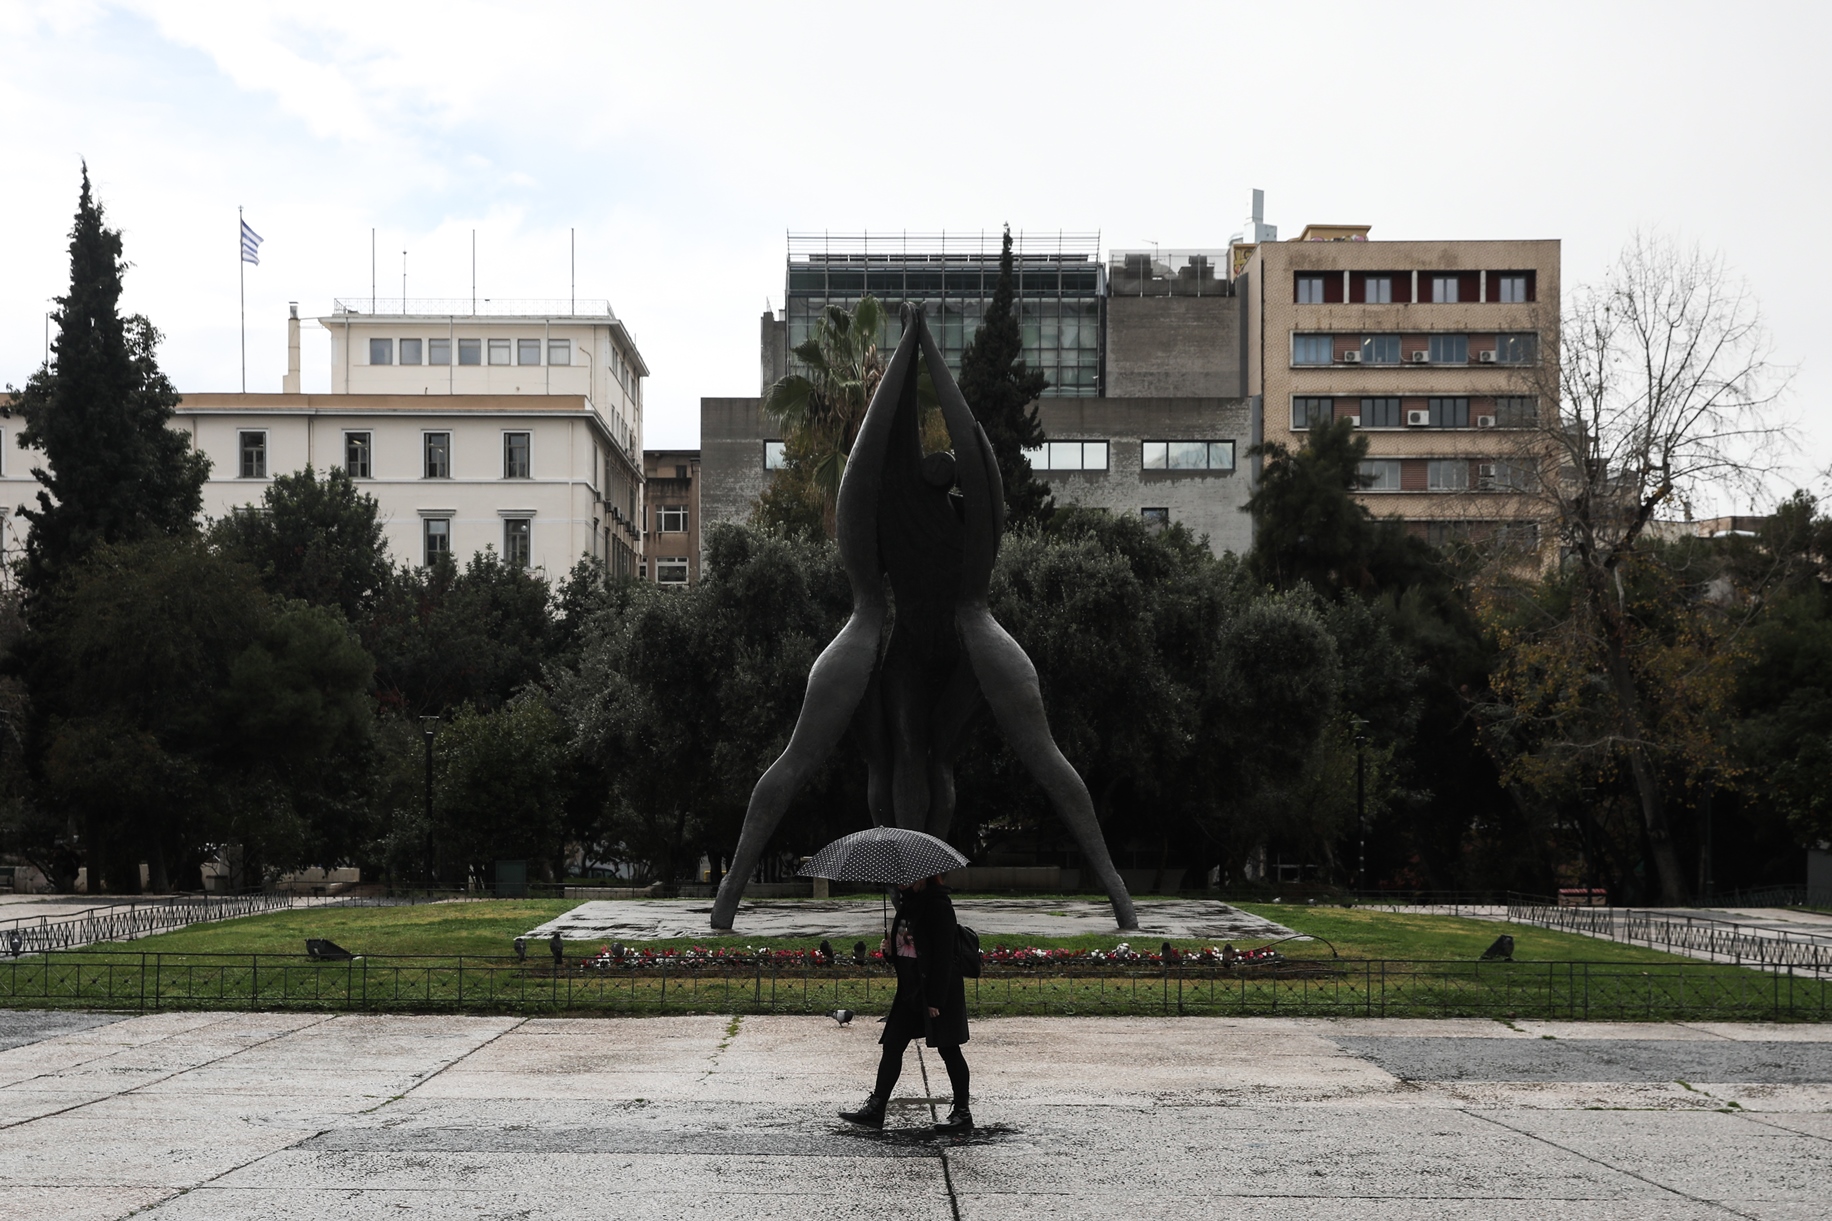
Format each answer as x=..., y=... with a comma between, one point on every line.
x=955, y=246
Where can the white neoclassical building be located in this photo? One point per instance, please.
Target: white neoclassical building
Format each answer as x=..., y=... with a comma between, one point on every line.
x=519, y=429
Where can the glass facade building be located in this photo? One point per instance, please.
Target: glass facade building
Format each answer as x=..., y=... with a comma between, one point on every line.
x=1058, y=280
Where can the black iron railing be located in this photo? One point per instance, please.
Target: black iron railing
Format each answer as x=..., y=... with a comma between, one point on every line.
x=109, y=979
x=1677, y=932
x=125, y=921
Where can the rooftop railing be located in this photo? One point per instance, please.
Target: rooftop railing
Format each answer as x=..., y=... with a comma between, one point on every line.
x=481, y=307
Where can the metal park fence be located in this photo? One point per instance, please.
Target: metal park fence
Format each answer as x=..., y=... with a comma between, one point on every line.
x=121, y=980
x=1720, y=940
x=125, y=921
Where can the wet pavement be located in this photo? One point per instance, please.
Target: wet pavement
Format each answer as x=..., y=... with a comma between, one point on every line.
x=652, y=919
x=213, y=1115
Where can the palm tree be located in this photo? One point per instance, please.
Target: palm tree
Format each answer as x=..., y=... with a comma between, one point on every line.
x=820, y=410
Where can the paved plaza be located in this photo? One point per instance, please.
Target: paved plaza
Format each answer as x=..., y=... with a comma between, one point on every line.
x=654, y=919
x=215, y=1115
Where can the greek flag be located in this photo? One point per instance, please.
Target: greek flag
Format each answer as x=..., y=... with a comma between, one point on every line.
x=251, y=245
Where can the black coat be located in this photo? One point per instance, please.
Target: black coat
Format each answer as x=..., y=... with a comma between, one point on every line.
x=935, y=981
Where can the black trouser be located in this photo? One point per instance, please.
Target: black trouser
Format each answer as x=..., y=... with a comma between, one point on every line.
x=890, y=1067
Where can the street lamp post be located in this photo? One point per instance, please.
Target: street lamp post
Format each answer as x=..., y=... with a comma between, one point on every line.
x=1361, y=804
x=429, y=725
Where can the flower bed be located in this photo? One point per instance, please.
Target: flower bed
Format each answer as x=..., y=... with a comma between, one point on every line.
x=617, y=957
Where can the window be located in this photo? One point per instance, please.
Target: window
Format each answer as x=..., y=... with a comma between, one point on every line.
x=438, y=351
x=1450, y=349
x=1517, y=349
x=499, y=351
x=1310, y=412
x=1068, y=456
x=1310, y=349
x=1157, y=519
x=515, y=455
x=410, y=351
x=671, y=519
x=1310, y=290
x=774, y=459
x=680, y=472
x=559, y=352
x=438, y=455
x=381, y=351
x=1380, y=350
x=527, y=351
x=1379, y=475
x=1378, y=290
x=356, y=455
x=470, y=351
x=1516, y=411
x=254, y=455
x=1513, y=287
x=1381, y=413
x=1444, y=289
x=1449, y=412
x=438, y=535
x=671, y=570
x=1447, y=474
x=1190, y=455
x=1445, y=533
x=517, y=532
x=1508, y=476
x=1518, y=535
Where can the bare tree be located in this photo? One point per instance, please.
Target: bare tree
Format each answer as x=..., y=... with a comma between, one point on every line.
x=1660, y=398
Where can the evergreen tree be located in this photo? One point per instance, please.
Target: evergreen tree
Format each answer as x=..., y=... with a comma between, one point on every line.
x=1003, y=394
x=318, y=541
x=98, y=412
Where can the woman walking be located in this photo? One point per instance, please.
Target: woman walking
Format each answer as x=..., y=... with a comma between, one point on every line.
x=931, y=1001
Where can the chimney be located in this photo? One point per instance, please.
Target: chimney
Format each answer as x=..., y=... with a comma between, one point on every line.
x=291, y=384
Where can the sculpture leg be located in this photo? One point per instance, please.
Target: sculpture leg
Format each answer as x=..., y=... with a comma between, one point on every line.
x=1009, y=682
x=874, y=743
x=835, y=686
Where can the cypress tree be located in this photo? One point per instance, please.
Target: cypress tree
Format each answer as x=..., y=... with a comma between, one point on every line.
x=98, y=411
x=1003, y=394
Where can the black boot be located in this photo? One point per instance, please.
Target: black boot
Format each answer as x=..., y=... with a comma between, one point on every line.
x=871, y=1115
x=958, y=1123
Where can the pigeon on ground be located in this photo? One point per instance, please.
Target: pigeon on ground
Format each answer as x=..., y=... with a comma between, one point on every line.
x=842, y=1016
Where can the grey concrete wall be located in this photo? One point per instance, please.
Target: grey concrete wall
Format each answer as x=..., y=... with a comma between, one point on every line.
x=732, y=433
x=773, y=351
x=1207, y=502
x=1173, y=347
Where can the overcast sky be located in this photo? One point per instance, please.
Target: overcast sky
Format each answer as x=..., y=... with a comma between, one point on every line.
x=682, y=141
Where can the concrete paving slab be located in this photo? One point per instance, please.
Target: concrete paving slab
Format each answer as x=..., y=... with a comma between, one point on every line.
x=1750, y=1161
x=34, y=1202
x=19, y=1028
x=1596, y=1059
x=604, y=920
x=1082, y=1117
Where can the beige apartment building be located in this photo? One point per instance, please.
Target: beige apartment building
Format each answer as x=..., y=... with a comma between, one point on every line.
x=518, y=430
x=1438, y=350
x=671, y=540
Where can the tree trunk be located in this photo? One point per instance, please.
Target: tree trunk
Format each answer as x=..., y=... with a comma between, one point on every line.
x=1647, y=782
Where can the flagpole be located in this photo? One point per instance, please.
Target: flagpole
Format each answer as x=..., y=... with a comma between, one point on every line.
x=241, y=276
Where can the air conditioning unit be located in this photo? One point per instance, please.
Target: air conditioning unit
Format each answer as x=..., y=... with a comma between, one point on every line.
x=1418, y=419
x=1421, y=357
x=1486, y=356
x=1354, y=420
x=1485, y=476
x=1350, y=357
x=1485, y=421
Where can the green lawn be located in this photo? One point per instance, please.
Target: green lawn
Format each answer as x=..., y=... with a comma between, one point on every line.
x=487, y=927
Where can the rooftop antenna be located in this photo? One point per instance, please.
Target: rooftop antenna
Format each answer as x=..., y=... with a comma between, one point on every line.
x=403, y=281
x=372, y=269
x=572, y=236
x=473, y=271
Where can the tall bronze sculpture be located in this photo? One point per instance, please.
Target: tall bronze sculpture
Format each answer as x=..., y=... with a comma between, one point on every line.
x=930, y=527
